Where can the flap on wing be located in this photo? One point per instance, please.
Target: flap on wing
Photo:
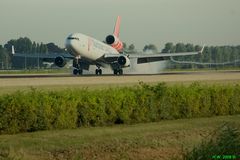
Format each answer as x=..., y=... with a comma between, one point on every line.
x=150, y=59
x=162, y=55
x=111, y=57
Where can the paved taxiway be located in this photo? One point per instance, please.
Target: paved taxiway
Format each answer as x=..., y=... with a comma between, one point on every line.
x=67, y=79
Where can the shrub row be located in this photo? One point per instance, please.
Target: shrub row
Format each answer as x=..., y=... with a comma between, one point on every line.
x=44, y=110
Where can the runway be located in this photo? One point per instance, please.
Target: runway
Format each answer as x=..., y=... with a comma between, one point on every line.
x=35, y=80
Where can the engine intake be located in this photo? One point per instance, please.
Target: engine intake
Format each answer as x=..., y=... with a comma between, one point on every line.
x=123, y=61
x=114, y=42
x=110, y=39
x=60, y=61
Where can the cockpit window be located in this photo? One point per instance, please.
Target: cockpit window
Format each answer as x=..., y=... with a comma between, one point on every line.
x=71, y=38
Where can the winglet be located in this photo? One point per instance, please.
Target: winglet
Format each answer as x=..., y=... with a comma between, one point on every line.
x=13, y=50
x=117, y=27
x=200, y=52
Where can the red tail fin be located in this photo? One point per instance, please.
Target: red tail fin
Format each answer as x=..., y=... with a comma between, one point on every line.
x=117, y=27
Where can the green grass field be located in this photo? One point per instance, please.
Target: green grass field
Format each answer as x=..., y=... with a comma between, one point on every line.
x=162, y=140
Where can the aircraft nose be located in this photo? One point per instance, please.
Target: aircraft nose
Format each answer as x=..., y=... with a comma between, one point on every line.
x=69, y=44
x=71, y=40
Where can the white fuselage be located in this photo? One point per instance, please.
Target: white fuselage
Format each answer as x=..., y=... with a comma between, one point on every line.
x=88, y=48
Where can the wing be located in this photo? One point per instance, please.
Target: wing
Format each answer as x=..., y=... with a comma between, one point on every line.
x=45, y=57
x=148, y=58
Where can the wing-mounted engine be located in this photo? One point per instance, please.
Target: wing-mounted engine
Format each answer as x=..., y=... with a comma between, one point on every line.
x=123, y=61
x=115, y=42
x=60, y=61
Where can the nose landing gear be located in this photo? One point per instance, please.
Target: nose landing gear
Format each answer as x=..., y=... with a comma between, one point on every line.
x=77, y=67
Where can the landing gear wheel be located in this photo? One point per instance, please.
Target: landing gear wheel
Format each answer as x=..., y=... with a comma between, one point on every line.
x=118, y=71
x=98, y=72
x=80, y=71
x=75, y=71
x=115, y=71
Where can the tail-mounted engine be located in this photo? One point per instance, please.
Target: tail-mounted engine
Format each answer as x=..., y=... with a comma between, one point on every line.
x=123, y=61
x=114, y=42
x=60, y=61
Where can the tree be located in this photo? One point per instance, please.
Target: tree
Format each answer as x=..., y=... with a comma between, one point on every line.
x=34, y=47
x=131, y=47
x=180, y=47
x=169, y=48
x=53, y=48
x=124, y=45
x=150, y=47
x=5, y=58
x=38, y=48
x=189, y=47
x=25, y=45
x=41, y=48
x=21, y=45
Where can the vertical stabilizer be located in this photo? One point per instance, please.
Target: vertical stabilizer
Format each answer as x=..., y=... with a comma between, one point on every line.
x=117, y=27
x=13, y=50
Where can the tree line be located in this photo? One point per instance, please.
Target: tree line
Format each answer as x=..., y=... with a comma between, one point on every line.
x=211, y=54
x=25, y=45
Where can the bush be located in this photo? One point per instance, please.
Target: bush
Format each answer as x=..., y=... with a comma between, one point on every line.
x=225, y=142
x=43, y=110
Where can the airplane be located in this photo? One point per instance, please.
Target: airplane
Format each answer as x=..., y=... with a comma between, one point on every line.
x=86, y=51
x=89, y=51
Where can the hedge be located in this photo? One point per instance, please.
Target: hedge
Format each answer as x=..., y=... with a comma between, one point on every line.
x=45, y=110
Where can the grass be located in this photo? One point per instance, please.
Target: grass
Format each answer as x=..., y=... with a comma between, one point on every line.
x=162, y=140
x=35, y=71
x=12, y=89
x=224, y=143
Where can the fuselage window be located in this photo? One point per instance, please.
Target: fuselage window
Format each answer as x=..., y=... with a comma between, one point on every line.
x=71, y=38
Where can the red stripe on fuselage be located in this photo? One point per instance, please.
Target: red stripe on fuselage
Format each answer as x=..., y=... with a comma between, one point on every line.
x=89, y=43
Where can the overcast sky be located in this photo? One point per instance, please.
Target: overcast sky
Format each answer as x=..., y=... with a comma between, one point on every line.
x=213, y=22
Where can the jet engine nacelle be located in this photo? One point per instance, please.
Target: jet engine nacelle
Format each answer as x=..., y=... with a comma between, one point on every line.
x=60, y=61
x=114, y=42
x=123, y=61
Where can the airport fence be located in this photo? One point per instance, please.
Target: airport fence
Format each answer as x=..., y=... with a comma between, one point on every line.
x=45, y=110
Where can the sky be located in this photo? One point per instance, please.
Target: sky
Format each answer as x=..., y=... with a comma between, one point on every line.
x=210, y=22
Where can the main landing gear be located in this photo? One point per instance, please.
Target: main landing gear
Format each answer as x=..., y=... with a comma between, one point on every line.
x=98, y=71
x=118, y=71
x=77, y=71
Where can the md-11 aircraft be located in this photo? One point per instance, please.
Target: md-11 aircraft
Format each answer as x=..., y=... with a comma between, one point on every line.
x=86, y=51
x=89, y=51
